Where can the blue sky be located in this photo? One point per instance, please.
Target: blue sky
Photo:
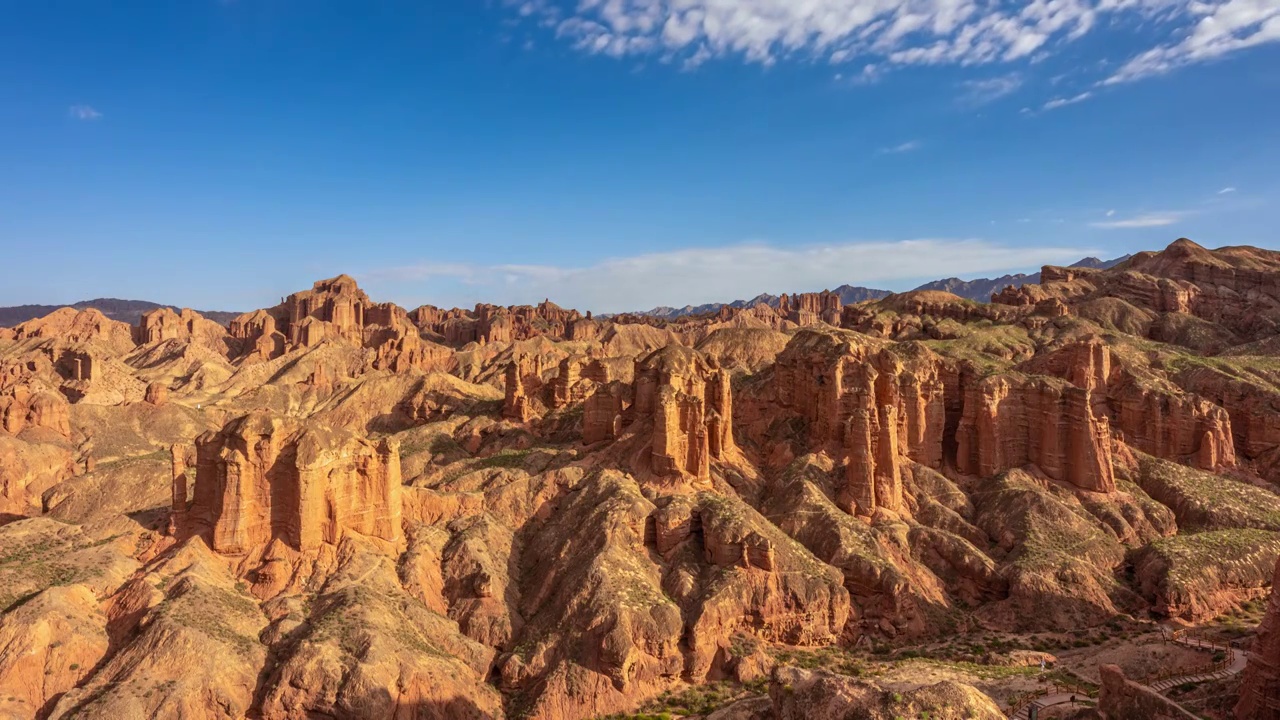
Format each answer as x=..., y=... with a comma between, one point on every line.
x=619, y=154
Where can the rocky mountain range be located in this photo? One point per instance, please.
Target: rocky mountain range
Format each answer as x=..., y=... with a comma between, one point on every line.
x=833, y=506
x=126, y=311
x=980, y=290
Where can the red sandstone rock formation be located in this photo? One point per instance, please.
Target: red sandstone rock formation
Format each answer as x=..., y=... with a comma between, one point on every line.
x=259, y=481
x=157, y=393
x=1122, y=699
x=602, y=413
x=523, y=388
x=690, y=402
x=337, y=310
x=811, y=308
x=580, y=589
x=187, y=326
x=69, y=327
x=875, y=405
x=49, y=645
x=257, y=330
x=21, y=408
x=493, y=323
x=1260, y=686
x=1008, y=423
x=863, y=403
x=1156, y=418
x=1229, y=295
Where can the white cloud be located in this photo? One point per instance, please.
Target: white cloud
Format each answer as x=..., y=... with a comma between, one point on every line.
x=83, y=112
x=1226, y=190
x=1223, y=27
x=900, y=32
x=1111, y=213
x=909, y=146
x=1056, y=103
x=988, y=90
x=703, y=275
x=1148, y=220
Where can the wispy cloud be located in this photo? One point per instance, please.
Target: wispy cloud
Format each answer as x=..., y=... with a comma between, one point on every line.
x=1056, y=103
x=906, y=147
x=981, y=92
x=892, y=33
x=1111, y=213
x=702, y=275
x=1221, y=27
x=1226, y=191
x=83, y=112
x=1148, y=220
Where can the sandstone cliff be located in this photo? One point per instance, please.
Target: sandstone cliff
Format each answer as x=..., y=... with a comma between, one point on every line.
x=1260, y=688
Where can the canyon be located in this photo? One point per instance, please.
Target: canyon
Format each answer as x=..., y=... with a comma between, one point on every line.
x=336, y=507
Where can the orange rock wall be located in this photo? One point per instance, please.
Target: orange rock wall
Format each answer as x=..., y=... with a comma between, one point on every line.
x=257, y=481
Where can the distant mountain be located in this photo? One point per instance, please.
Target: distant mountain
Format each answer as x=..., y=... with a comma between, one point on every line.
x=850, y=294
x=129, y=311
x=982, y=289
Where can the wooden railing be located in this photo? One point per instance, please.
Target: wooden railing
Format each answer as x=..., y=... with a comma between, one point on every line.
x=1182, y=637
x=1019, y=702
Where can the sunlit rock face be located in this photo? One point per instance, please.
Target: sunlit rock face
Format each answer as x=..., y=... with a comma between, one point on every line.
x=337, y=508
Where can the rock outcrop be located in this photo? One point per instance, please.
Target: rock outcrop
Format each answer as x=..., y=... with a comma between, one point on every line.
x=1122, y=699
x=689, y=400
x=163, y=324
x=49, y=645
x=338, y=310
x=258, y=481
x=1008, y=422
x=1156, y=418
x=1260, y=686
x=811, y=308
x=877, y=406
x=492, y=323
x=22, y=407
x=864, y=403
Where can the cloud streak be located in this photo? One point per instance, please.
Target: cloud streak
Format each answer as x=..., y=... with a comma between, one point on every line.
x=888, y=33
x=1148, y=220
x=982, y=92
x=906, y=147
x=1063, y=102
x=704, y=275
x=1220, y=28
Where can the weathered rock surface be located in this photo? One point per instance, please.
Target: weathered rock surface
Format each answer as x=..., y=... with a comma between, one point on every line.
x=48, y=645
x=1260, y=686
x=259, y=481
x=339, y=508
x=1199, y=576
x=690, y=403
x=194, y=653
x=1121, y=699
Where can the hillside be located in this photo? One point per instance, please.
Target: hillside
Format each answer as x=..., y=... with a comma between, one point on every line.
x=912, y=506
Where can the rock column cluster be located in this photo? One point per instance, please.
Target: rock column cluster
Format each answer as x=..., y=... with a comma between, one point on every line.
x=258, y=480
x=690, y=401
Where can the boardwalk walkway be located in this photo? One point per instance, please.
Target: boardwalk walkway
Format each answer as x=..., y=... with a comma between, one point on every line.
x=1232, y=665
